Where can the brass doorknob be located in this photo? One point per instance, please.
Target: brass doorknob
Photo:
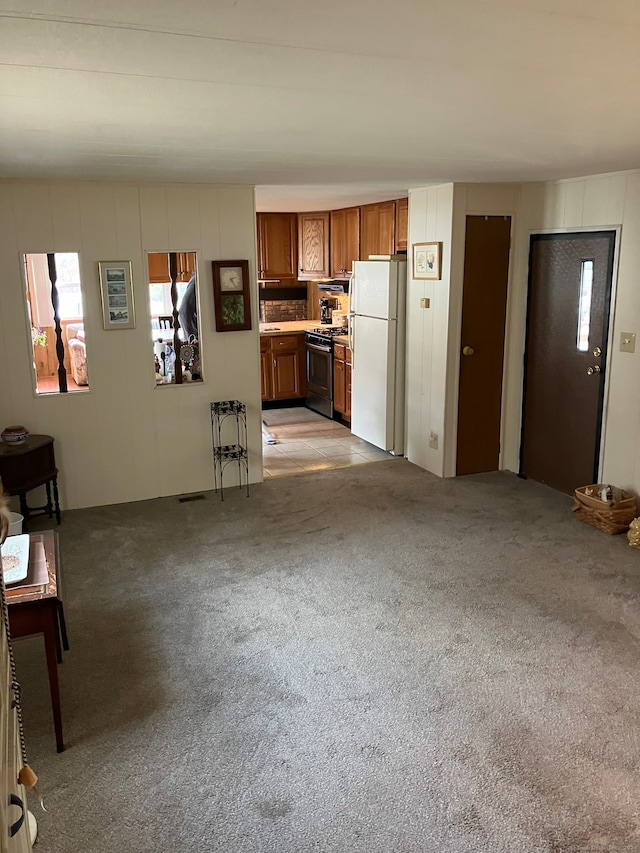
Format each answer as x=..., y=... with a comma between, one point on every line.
x=468, y=350
x=594, y=369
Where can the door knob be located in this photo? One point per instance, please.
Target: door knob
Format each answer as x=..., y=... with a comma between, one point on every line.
x=594, y=369
x=597, y=352
x=468, y=350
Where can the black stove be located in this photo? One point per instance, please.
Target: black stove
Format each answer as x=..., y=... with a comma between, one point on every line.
x=319, y=350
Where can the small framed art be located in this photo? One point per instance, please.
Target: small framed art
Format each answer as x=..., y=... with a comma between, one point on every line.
x=427, y=261
x=231, y=295
x=117, y=295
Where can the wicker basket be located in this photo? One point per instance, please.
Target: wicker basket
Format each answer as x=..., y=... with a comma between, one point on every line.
x=611, y=517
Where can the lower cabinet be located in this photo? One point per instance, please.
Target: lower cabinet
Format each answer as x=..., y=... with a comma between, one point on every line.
x=282, y=360
x=342, y=380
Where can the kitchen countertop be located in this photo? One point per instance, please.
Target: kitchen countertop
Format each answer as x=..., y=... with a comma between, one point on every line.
x=291, y=327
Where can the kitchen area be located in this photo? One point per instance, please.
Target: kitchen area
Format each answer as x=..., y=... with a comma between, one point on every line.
x=332, y=336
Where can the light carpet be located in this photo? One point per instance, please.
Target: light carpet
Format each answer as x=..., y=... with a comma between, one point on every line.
x=366, y=659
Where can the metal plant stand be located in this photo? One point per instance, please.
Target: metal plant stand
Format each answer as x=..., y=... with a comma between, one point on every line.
x=223, y=453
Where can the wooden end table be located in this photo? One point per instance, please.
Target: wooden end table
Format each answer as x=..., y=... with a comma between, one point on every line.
x=39, y=610
x=25, y=466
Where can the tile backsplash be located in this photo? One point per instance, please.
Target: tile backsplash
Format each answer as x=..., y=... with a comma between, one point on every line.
x=282, y=310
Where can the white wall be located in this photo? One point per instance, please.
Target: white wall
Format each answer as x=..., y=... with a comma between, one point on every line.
x=602, y=201
x=433, y=355
x=430, y=219
x=438, y=213
x=125, y=439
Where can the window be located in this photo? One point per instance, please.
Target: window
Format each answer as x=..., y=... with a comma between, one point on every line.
x=584, y=305
x=176, y=350
x=54, y=307
x=68, y=285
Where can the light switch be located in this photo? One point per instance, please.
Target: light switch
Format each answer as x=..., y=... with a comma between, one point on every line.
x=627, y=341
x=425, y=302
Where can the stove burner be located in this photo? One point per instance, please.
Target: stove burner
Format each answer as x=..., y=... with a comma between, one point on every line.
x=329, y=331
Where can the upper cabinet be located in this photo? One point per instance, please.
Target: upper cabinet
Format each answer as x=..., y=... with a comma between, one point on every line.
x=402, y=223
x=313, y=246
x=303, y=247
x=345, y=241
x=159, y=266
x=277, y=245
x=377, y=229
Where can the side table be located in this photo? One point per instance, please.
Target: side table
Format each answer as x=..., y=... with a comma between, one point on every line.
x=37, y=609
x=25, y=466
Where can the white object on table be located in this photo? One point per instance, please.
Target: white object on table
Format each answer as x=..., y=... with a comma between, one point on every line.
x=16, y=546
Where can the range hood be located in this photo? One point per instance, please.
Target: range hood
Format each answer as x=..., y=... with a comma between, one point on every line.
x=333, y=287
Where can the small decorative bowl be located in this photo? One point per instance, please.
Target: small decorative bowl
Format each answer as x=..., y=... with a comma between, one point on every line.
x=14, y=434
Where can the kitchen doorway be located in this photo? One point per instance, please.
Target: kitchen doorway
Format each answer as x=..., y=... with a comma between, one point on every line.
x=297, y=440
x=570, y=280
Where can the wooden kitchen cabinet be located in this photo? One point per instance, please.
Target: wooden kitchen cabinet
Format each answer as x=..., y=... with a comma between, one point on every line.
x=313, y=246
x=186, y=265
x=377, y=229
x=277, y=246
x=342, y=380
x=159, y=266
x=345, y=241
x=283, y=369
x=402, y=224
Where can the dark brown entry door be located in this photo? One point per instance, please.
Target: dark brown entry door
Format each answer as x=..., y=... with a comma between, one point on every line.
x=486, y=268
x=567, y=324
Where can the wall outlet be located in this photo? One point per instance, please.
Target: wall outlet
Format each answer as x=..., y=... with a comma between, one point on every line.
x=627, y=341
x=433, y=440
x=425, y=302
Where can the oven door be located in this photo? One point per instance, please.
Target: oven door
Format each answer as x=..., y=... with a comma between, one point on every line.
x=320, y=378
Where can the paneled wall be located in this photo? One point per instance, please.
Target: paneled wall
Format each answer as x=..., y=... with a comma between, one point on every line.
x=125, y=439
x=438, y=213
x=433, y=356
x=430, y=219
x=603, y=201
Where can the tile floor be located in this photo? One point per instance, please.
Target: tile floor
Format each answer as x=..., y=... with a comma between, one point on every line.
x=306, y=441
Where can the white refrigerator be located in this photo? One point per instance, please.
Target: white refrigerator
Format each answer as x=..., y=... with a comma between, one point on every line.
x=377, y=315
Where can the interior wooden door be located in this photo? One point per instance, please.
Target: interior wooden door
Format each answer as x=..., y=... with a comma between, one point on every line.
x=570, y=279
x=486, y=269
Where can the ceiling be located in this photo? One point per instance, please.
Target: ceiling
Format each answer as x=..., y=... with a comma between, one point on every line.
x=318, y=102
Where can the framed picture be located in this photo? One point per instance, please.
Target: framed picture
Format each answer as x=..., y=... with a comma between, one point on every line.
x=117, y=295
x=231, y=295
x=427, y=261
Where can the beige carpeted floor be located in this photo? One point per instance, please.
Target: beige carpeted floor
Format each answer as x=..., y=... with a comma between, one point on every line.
x=364, y=660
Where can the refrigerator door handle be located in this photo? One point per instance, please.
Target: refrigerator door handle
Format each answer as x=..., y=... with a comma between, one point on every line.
x=352, y=340
x=352, y=290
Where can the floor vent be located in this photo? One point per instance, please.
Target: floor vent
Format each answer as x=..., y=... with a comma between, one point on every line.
x=187, y=498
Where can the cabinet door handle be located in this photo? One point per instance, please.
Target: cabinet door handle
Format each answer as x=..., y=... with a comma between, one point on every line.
x=274, y=362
